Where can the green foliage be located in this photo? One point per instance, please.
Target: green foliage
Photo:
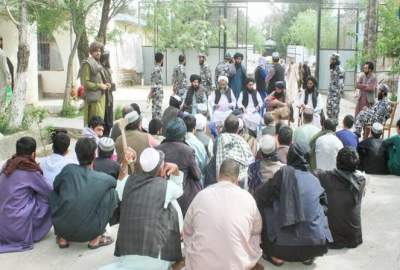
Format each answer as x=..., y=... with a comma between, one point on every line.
x=303, y=31
x=69, y=111
x=48, y=132
x=32, y=116
x=388, y=43
x=179, y=24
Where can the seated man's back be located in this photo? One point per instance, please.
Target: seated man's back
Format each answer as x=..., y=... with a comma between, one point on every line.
x=222, y=229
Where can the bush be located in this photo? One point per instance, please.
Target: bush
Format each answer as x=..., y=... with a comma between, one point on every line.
x=69, y=111
x=32, y=115
x=118, y=112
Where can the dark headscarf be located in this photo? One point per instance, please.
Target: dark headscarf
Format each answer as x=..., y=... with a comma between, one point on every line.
x=176, y=130
x=25, y=163
x=297, y=157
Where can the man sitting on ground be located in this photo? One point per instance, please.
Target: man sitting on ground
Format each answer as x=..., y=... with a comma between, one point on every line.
x=222, y=102
x=307, y=131
x=269, y=123
x=285, y=136
x=150, y=218
x=392, y=146
x=232, y=239
x=156, y=129
x=206, y=140
x=53, y=164
x=171, y=112
x=326, y=147
x=83, y=200
x=263, y=170
x=103, y=162
x=95, y=129
x=344, y=187
x=135, y=138
x=373, y=153
x=115, y=131
x=233, y=146
x=195, y=99
x=195, y=144
x=279, y=104
x=348, y=137
x=25, y=215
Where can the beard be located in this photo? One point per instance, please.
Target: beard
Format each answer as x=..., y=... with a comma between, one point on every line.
x=380, y=95
x=366, y=73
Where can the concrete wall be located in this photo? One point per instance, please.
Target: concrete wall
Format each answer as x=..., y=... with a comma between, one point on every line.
x=53, y=82
x=9, y=33
x=215, y=55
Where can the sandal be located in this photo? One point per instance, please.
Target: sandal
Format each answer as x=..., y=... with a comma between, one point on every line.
x=63, y=245
x=103, y=241
x=309, y=261
x=271, y=260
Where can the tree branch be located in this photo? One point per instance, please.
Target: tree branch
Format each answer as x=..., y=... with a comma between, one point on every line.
x=10, y=15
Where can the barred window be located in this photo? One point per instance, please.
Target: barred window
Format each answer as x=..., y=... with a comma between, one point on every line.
x=49, y=57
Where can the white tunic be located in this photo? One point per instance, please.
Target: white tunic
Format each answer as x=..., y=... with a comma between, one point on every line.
x=317, y=110
x=224, y=107
x=251, y=116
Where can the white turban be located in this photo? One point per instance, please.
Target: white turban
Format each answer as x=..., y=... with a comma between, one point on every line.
x=223, y=78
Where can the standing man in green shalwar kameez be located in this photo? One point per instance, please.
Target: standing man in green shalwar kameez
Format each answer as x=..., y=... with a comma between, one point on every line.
x=94, y=84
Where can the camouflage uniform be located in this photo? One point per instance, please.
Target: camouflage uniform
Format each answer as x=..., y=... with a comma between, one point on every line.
x=206, y=78
x=222, y=69
x=336, y=86
x=157, y=92
x=179, y=80
x=379, y=112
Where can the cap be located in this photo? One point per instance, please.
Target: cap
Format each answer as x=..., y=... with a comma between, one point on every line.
x=150, y=158
x=145, y=124
x=280, y=85
x=267, y=144
x=335, y=56
x=384, y=88
x=132, y=117
x=275, y=55
x=106, y=144
x=228, y=56
x=377, y=128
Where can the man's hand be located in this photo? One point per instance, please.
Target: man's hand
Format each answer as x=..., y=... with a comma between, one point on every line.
x=103, y=86
x=130, y=156
x=169, y=169
x=108, y=86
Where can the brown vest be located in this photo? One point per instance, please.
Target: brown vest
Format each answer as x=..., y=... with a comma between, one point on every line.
x=138, y=141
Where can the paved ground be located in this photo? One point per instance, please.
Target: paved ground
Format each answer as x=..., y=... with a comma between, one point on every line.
x=380, y=218
x=380, y=250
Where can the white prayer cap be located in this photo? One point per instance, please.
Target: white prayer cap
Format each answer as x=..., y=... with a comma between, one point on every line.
x=223, y=78
x=132, y=117
x=377, y=128
x=275, y=55
x=201, y=121
x=241, y=123
x=150, y=159
x=267, y=144
x=106, y=144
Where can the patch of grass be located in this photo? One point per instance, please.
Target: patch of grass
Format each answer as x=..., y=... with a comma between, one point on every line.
x=32, y=116
x=70, y=111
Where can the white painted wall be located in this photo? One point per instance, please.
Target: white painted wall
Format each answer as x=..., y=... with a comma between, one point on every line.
x=9, y=33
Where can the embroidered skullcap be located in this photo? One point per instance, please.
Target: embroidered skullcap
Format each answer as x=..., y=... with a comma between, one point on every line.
x=106, y=144
x=267, y=144
x=132, y=117
x=223, y=78
x=151, y=159
x=377, y=128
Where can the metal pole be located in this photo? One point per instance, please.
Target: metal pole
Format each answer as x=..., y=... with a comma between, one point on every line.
x=338, y=31
x=237, y=27
x=247, y=26
x=318, y=39
x=225, y=18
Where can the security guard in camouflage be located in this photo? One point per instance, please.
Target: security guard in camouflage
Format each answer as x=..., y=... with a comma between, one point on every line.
x=179, y=80
x=205, y=74
x=157, y=93
x=336, y=86
x=224, y=68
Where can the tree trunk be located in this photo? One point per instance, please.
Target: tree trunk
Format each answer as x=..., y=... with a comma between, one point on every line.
x=19, y=96
x=370, y=30
x=83, y=46
x=102, y=34
x=69, y=81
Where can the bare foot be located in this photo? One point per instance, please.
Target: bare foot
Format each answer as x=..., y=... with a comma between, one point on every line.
x=61, y=242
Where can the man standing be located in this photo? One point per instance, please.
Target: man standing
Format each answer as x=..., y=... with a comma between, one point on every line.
x=195, y=99
x=94, y=84
x=5, y=78
x=205, y=74
x=224, y=68
x=367, y=86
x=336, y=86
x=260, y=74
x=157, y=93
x=232, y=239
x=109, y=103
x=275, y=74
x=179, y=82
x=236, y=80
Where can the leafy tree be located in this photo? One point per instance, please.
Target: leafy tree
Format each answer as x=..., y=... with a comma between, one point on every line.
x=178, y=24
